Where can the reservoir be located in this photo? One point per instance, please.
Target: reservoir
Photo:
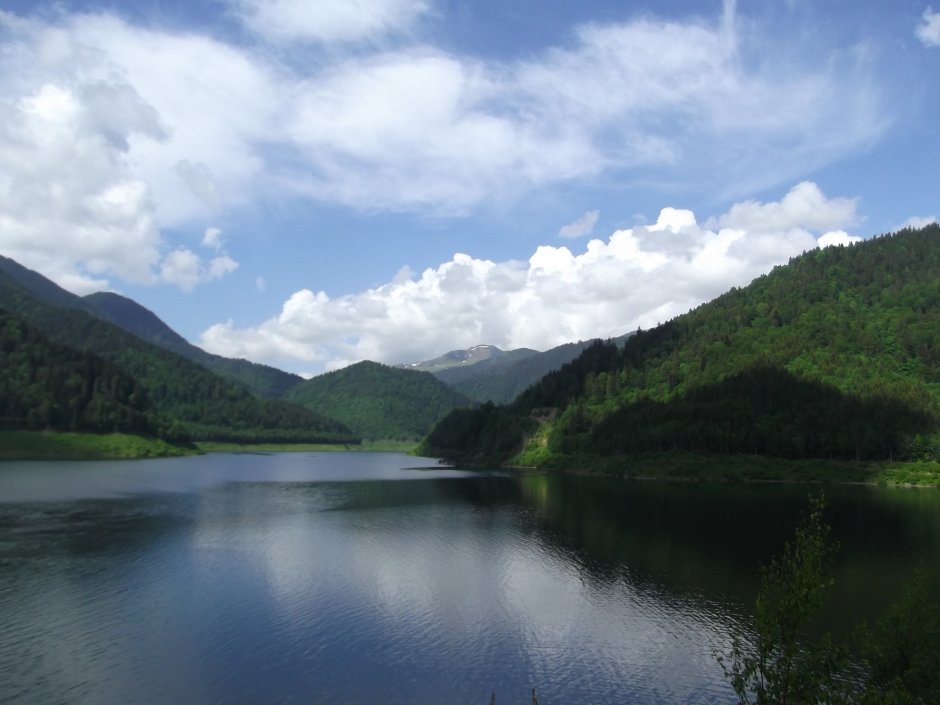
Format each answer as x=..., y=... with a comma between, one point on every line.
x=354, y=578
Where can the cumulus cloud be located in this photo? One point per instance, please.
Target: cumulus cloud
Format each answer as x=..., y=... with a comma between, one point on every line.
x=89, y=126
x=928, y=31
x=804, y=206
x=182, y=267
x=328, y=21
x=580, y=227
x=636, y=277
x=186, y=269
x=67, y=203
x=837, y=238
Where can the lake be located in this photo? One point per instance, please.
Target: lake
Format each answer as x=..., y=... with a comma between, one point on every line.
x=350, y=578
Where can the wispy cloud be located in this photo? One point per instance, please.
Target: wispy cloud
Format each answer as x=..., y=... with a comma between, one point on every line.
x=917, y=222
x=111, y=133
x=327, y=21
x=639, y=276
x=928, y=31
x=580, y=227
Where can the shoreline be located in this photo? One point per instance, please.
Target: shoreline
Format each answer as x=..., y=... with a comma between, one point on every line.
x=364, y=447
x=68, y=445
x=695, y=468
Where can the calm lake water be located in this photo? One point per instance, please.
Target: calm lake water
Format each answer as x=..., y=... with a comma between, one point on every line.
x=350, y=578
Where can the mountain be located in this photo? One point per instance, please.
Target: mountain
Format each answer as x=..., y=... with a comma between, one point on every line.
x=458, y=359
x=208, y=406
x=128, y=314
x=835, y=355
x=500, y=379
x=379, y=402
x=265, y=381
x=46, y=385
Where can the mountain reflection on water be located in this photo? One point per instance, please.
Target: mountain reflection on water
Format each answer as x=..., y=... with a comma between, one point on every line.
x=350, y=578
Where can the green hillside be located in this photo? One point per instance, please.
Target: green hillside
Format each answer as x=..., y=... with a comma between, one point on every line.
x=127, y=314
x=208, y=406
x=835, y=355
x=262, y=380
x=48, y=386
x=379, y=402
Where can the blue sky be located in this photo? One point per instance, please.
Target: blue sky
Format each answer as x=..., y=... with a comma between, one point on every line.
x=308, y=183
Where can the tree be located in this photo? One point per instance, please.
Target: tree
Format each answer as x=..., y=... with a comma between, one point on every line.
x=901, y=654
x=896, y=663
x=774, y=667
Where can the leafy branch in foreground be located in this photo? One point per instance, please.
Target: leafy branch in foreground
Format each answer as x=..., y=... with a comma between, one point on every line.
x=896, y=663
x=773, y=667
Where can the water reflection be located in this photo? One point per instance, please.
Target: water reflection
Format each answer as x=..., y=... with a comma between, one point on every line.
x=283, y=581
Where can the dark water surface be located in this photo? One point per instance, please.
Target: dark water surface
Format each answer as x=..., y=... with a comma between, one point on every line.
x=358, y=578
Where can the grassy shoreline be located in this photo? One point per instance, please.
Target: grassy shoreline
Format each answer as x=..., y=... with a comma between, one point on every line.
x=693, y=467
x=54, y=445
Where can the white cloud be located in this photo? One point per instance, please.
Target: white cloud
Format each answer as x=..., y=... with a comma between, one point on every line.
x=199, y=179
x=837, y=238
x=917, y=222
x=112, y=134
x=928, y=31
x=212, y=239
x=260, y=284
x=68, y=204
x=328, y=21
x=423, y=130
x=90, y=129
x=186, y=269
x=580, y=227
x=182, y=267
x=638, y=276
x=804, y=206
x=219, y=266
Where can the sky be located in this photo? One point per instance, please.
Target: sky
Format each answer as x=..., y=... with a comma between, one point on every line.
x=310, y=183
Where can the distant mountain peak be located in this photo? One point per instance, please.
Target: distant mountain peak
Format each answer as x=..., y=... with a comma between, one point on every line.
x=457, y=358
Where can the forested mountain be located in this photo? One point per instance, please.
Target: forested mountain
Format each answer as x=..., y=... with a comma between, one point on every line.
x=134, y=318
x=379, y=402
x=46, y=385
x=502, y=379
x=836, y=354
x=263, y=380
x=208, y=406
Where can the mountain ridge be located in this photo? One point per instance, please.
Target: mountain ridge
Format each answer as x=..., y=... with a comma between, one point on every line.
x=263, y=380
x=268, y=382
x=209, y=406
x=468, y=357
x=864, y=321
